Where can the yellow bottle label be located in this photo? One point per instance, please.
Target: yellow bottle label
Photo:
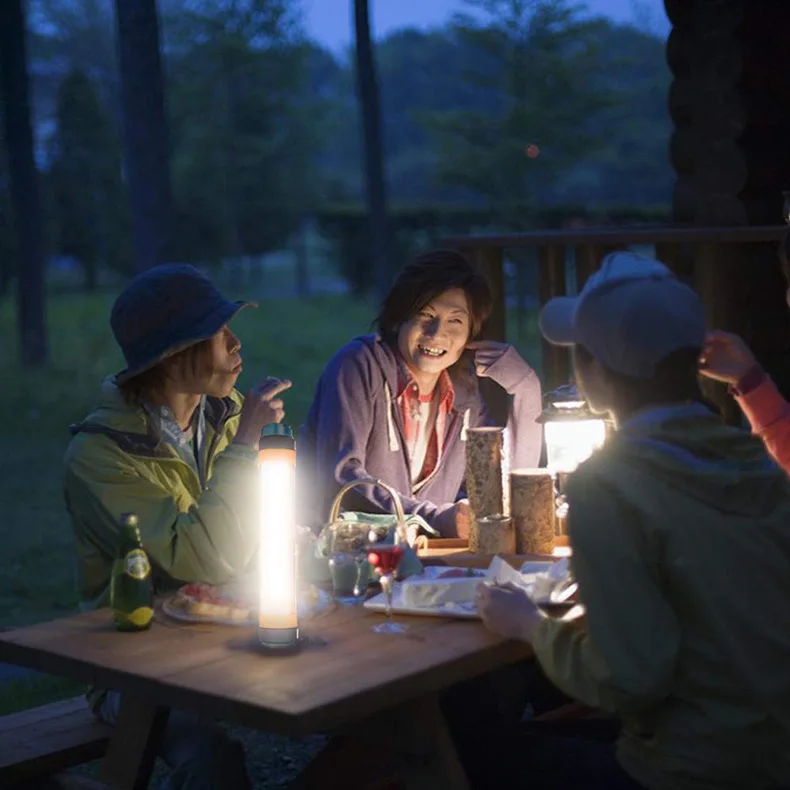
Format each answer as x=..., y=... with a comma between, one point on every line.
x=140, y=617
x=136, y=564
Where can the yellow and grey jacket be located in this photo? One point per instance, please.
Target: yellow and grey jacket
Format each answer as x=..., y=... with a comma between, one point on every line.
x=680, y=529
x=117, y=462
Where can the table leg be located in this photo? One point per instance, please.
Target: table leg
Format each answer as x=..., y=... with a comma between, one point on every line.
x=343, y=764
x=132, y=750
x=408, y=747
x=423, y=747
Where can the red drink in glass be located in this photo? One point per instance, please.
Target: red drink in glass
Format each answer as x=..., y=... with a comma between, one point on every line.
x=385, y=559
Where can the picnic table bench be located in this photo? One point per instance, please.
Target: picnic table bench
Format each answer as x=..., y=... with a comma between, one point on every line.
x=45, y=740
x=374, y=691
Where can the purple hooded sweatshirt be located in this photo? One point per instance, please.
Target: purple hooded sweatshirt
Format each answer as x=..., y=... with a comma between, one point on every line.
x=354, y=429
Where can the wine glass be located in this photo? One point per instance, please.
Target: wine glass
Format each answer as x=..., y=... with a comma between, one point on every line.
x=385, y=560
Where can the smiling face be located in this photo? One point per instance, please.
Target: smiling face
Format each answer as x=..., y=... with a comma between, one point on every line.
x=435, y=337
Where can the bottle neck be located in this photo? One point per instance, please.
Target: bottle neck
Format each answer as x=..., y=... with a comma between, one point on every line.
x=130, y=539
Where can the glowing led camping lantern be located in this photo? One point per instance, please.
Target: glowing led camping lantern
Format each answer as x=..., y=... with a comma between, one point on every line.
x=278, y=625
x=572, y=431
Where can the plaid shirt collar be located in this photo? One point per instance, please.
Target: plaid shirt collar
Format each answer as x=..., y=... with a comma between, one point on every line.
x=407, y=387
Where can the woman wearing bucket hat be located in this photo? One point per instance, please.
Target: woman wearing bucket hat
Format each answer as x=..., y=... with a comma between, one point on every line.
x=173, y=442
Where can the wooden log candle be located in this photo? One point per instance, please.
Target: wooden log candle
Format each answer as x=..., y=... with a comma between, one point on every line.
x=532, y=507
x=486, y=472
x=492, y=535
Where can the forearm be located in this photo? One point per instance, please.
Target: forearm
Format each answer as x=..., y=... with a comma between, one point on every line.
x=525, y=433
x=559, y=648
x=768, y=414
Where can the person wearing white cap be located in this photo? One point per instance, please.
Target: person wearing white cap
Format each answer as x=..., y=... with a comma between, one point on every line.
x=681, y=548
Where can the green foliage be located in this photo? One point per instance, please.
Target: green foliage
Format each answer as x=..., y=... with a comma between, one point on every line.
x=633, y=131
x=8, y=249
x=617, y=134
x=266, y=130
x=85, y=179
x=243, y=135
x=30, y=691
x=538, y=63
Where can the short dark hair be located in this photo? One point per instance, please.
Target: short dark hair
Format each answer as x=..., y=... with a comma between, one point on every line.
x=194, y=359
x=425, y=278
x=676, y=379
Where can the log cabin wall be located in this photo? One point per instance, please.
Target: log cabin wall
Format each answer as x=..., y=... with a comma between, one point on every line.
x=730, y=105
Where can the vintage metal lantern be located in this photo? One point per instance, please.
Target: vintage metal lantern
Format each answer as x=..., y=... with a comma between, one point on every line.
x=572, y=432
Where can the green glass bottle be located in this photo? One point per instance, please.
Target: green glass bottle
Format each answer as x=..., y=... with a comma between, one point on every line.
x=131, y=591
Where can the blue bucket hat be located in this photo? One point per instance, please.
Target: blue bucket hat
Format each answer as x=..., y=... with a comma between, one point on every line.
x=165, y=310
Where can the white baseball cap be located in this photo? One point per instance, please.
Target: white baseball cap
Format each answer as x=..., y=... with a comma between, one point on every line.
x=630, y=314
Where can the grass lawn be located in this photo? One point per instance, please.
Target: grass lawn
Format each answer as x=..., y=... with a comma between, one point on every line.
x=284, y=337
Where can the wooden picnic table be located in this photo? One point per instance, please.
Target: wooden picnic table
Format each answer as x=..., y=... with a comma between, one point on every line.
x=380, y=690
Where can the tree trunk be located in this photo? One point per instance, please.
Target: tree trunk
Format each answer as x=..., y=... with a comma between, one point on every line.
x=368, y=92
x=24, y=184
x=303, y=258
x=147, y=160
x=90, y=274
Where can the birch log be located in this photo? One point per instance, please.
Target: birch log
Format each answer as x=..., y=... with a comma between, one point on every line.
x=492, y=535
x=532, y=506
x=486, y=472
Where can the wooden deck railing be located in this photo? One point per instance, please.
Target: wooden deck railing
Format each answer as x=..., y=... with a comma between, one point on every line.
x=708, y=258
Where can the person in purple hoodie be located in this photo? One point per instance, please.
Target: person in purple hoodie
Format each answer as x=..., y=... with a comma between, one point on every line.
x=396, y=405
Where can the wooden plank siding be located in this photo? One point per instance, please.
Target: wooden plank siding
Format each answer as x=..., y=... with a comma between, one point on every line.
x=709, y=259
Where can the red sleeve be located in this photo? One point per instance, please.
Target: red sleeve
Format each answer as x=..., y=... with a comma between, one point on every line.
x=769, y=415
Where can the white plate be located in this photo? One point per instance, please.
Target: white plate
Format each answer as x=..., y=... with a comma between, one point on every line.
x=460, y=611
x=536, y=567
x=465, y=611
x=307, y=607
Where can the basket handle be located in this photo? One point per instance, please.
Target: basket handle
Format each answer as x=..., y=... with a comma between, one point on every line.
x=399, y=514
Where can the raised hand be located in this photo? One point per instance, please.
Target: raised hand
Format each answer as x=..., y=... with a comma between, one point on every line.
x=486, y=353
x=261, y=406
x=725, y=357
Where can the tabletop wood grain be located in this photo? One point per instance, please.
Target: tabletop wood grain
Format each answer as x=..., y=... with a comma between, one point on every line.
x=344, y=673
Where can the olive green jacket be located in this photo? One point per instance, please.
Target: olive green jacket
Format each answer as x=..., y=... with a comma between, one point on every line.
x=117, y=463
x=680, y=529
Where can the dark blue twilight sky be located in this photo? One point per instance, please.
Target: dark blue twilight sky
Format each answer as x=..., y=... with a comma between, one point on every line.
x=329, y=21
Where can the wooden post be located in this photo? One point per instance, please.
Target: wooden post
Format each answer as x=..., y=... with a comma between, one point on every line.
x=716, y=281
x=489, y=261
x=588, y=260
x=556, y=359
